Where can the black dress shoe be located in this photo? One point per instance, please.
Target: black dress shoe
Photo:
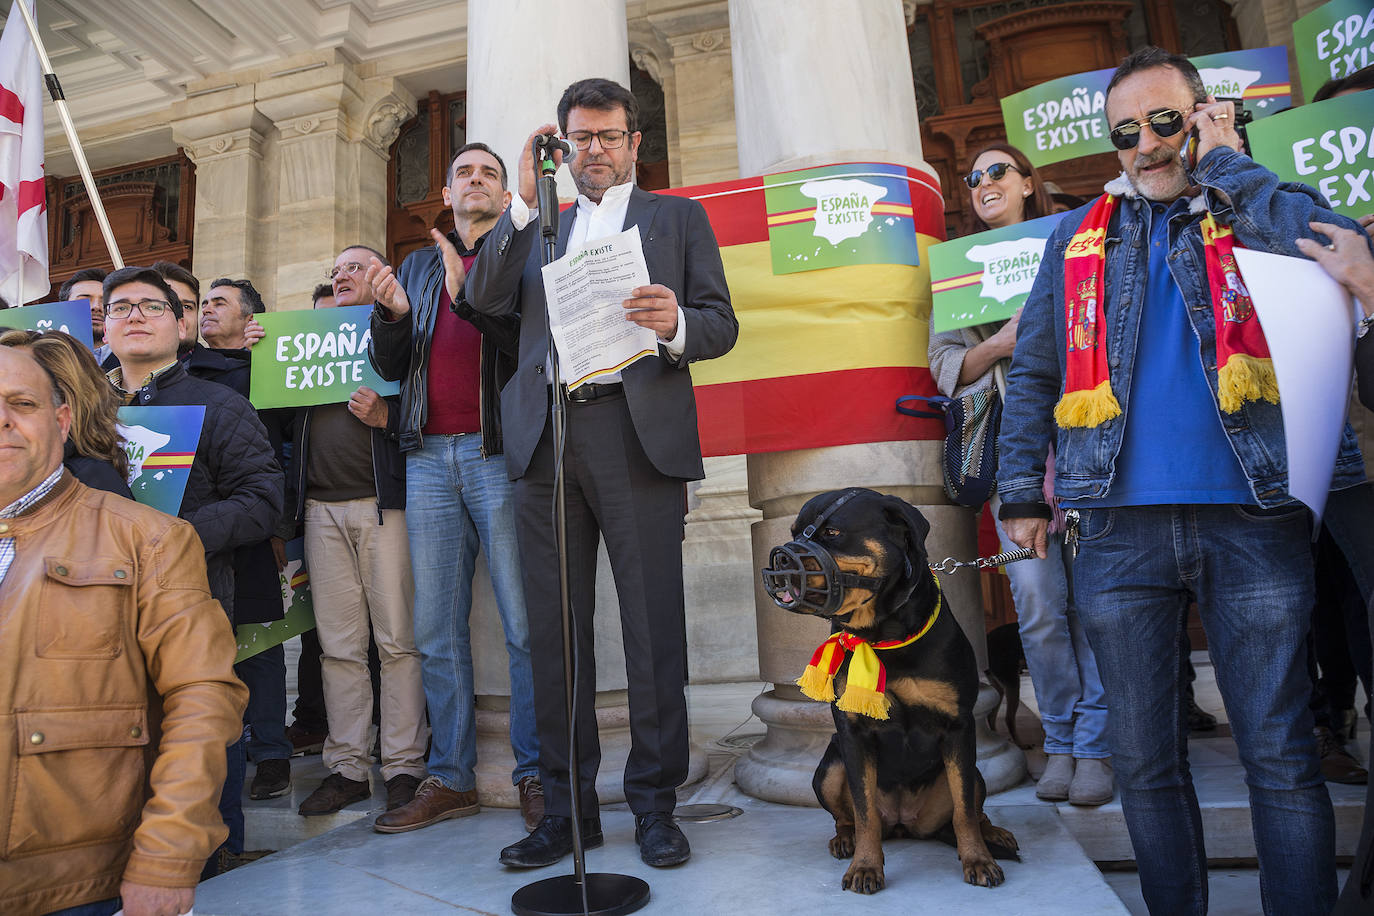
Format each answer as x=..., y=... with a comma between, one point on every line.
x=551, y=841
x=660, y=841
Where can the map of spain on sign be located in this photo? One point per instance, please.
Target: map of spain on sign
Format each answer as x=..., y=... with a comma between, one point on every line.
x=839, y=216
x=161, y=445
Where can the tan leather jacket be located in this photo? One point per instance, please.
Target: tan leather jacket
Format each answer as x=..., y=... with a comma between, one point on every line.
x=117, y=700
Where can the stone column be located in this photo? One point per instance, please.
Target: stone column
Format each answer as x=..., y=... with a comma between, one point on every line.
x=697, y=92
x=224, y=134
x=859, y=105
x=522, y=54
x=331, y=156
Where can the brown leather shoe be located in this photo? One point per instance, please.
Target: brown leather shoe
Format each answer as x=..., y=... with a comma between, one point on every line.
x=433, y=802
x=531, y=801
x=1337, y=763
x=334, y=793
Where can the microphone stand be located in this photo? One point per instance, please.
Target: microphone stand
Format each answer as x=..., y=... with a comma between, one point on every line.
x=600, y=893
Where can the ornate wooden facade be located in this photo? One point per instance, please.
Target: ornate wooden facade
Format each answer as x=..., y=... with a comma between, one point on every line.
x=151, y=207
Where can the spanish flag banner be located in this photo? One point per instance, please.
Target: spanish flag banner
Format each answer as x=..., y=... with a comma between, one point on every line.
x=831, y=285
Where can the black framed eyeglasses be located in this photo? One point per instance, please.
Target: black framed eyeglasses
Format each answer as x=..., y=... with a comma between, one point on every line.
x=610, y=139
x=1164, y=123
x=148, y=308
x=995, y=172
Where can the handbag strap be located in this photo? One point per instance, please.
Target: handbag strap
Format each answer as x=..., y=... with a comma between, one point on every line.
x=936, y=404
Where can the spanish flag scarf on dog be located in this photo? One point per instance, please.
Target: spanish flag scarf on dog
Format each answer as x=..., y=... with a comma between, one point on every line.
x=865, y=689
x=1244, y=370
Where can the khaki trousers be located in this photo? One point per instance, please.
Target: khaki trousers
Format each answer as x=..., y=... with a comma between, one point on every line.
x=360, y=571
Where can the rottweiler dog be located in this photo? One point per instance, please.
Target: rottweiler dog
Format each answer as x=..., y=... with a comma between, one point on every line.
x=858, y=558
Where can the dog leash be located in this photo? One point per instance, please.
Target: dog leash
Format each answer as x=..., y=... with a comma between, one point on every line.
x=949, y=564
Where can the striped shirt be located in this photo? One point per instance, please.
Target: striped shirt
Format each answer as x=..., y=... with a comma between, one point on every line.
x=20, y=505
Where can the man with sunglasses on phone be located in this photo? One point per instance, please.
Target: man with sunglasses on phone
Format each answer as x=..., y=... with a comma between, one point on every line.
x=1140, y=357
x=631, y=446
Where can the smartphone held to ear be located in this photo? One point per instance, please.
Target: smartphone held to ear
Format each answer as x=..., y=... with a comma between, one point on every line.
x=1188, y=152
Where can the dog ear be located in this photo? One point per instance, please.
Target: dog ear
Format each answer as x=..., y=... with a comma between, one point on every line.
x=906, y=516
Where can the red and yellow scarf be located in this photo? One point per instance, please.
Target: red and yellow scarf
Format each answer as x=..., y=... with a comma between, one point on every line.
x=865, y=689
x=1244, y=370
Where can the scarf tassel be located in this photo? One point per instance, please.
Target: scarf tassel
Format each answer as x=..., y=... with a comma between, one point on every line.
x=865, y=701
x=1246, y=378
x=1087, y=407
x=818, y=680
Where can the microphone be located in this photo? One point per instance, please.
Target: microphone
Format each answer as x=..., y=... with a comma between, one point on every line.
x=546, y=189
x=544, y=146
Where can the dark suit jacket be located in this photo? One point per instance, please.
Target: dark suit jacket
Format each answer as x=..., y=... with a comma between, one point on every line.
x=681, y=253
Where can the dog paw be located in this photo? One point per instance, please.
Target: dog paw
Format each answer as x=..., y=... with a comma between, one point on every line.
x=842, y=845
x=983, y=872
x=863, y=879
x=998, y=836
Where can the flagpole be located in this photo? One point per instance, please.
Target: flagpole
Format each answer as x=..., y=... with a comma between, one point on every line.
x=60, y=101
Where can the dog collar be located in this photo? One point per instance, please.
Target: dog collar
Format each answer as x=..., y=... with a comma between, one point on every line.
x=865, y=689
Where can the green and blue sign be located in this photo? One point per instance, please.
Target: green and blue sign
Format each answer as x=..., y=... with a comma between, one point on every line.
x=314, y=357
x=72, y=317
x=1066, y=118
x=161, y=444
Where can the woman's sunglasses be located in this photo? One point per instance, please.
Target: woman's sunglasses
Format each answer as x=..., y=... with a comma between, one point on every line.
x=1163, y=123
x=994, y=172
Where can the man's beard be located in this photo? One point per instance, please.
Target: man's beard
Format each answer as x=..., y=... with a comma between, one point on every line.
x=1164, y=185
x=593, y=185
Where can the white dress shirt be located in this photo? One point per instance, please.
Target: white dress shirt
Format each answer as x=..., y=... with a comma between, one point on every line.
x=596, y=221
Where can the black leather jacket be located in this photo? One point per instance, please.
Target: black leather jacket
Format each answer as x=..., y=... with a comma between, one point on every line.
x=401, y=349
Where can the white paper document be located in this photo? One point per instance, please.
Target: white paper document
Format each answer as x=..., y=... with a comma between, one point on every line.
x=1308, y=323
x=586, y=289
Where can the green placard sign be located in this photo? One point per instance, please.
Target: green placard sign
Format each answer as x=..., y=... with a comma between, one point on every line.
x=987, y=276
x=1333, y=41
x=296, y=601
x=1326, y=145
x=1066, y=118
x=315, y=357
x=1061, y=119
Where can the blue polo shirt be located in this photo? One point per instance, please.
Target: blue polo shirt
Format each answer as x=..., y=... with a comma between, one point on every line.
x=1174, y=450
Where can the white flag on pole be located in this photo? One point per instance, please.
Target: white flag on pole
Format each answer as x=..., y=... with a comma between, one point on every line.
x=23, y=211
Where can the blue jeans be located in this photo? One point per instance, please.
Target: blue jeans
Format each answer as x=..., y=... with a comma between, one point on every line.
x=1068, y=690
x=456, y=502
x=265, y=676
x=1250, y=571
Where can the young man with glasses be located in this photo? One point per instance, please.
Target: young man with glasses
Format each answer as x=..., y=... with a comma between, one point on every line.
x=452, y=364
x=236, y=489
x=632, y=446
x=1170, y=460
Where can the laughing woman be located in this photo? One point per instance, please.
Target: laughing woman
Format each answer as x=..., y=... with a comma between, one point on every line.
x=1007, y=190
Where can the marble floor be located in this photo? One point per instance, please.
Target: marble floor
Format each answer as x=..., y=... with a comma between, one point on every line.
x=771, y=859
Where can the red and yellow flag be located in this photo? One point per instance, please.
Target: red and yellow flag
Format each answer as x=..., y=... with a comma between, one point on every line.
x=822, y=354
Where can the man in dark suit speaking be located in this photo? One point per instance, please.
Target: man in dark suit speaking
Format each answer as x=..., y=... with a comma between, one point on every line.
x=632, y=444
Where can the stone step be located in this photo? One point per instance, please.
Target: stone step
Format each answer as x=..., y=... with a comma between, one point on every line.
x=772, y=859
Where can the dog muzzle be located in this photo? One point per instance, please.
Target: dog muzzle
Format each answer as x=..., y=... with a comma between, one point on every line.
x=817, y=587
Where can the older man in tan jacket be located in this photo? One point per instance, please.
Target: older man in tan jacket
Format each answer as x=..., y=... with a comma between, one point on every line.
x=117, y=690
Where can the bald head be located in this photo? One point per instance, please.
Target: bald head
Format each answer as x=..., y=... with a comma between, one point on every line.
x=33, y=428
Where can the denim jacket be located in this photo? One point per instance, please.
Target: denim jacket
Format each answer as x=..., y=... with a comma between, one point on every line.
x=1267, y=215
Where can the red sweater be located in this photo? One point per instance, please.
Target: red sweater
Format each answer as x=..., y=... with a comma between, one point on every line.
x=454, y=365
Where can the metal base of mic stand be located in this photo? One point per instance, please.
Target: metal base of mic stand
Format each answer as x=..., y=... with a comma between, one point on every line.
x=606, y=895
x=598, y=894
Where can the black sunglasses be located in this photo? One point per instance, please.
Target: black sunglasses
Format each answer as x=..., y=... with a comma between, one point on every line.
x=994, y=172
x=1163, y=123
